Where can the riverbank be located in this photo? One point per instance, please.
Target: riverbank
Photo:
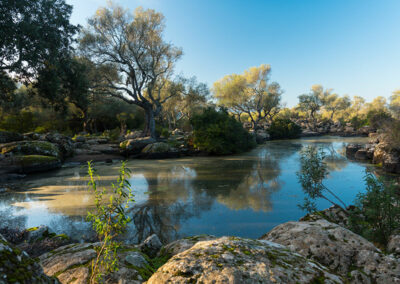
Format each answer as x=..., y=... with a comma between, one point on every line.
x=316, y=249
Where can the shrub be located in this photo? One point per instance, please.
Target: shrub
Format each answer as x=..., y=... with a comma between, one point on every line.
x=284, y=128
x=358, y=122
x=377, y=118
x=377, y=211
x=313, y=171
x=217, y=132
x=109, y=220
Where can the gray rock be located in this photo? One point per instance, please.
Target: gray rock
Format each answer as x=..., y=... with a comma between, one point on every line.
x=393, y=245
x=73, y=262
x=43, y=148
x=36, y=233
x=181, y=245
x=136, y=259
x=135, y=146
x=337, y=248
x=237, y=260
x=151, y=246
x=351, y=150
x=81, y=139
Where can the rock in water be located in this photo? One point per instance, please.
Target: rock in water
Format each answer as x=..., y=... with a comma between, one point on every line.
x=237, y=260
x=341, y=250
x=17, y=267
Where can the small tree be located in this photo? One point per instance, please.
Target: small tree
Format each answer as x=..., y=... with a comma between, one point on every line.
x=377, y=212
x=109, y=220
x=313, y=171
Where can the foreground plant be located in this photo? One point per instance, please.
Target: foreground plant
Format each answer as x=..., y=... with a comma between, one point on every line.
x=313, y=171
x=376, y=215
x=109, y=220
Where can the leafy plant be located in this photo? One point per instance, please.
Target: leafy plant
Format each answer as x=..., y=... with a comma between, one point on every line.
x=109, y=220
x=284, y=128
x=377, y=210
x=217, y=132
x=313, y=171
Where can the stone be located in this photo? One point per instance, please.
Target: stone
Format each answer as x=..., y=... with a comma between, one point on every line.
x=393, y=245
x=134, y=135
x=151, y=246
x=352, y=149
x=262, y=136
x=6, y=137
x=341, y=250
x=181, y=245
x=43, y=148
x=135, y=146
x=361, y=154
x=136, y=259
x=36, y=233
x=80, y=139
x=238, y=260
x=35, y=163
x=158, y=150
x=73, y=262
x=64, y=143
x=17, y=267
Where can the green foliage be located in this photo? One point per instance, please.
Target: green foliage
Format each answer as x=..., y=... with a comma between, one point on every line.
x=33, y=32
x=219, y=133
x=377, y=118
x=377, y=210
x=313, y=171
x=284, y=128
x=23, y=122
x=357, y=122
x=109, y=220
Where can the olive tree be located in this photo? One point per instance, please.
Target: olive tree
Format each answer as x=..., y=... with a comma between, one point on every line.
x=141, y=59
x=334, y=104
x=312, y=102
x=250, y=93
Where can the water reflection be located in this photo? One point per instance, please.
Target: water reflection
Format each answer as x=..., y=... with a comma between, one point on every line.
x=242, y=195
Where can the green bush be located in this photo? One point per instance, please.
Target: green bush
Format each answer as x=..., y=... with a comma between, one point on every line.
x=284, y=128
x=377, y=118
x=377, y=211
x=358, y=122
x=217, y=132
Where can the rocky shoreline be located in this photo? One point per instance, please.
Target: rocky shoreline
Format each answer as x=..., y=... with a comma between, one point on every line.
x=377, y=152
x=316, y=249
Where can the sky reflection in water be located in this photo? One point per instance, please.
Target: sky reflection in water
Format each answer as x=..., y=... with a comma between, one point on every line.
x=242, y=195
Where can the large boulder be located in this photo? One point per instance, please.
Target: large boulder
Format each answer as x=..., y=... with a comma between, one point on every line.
x=388, y=157
x=43, y=148
x=135, y=146
x=238, y=260
x=151, y=246
x=339, y=249
x=17, y=267
x=72, y=264
x=6, y=137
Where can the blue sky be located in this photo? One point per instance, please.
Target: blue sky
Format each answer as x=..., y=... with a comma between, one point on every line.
x=352, y=46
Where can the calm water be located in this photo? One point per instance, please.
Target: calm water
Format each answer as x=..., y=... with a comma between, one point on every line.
x=243, y=195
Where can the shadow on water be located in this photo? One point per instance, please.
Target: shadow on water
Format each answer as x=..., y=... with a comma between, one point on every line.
x=244, y=195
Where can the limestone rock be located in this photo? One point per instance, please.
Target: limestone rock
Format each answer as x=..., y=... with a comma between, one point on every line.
x=394, y=244
x=339, y=249
x=72, y=262
x=237, y=260
x=181, y=245
x=351, y=150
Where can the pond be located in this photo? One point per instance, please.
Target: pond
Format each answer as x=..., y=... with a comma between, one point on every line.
x=243, y=195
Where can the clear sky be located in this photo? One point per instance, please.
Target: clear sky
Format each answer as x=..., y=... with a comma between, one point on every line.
x=352, y=46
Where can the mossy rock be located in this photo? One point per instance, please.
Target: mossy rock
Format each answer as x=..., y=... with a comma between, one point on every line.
x=17, y=267
x=6, y=137
x=158, y=147
x=31, y=148
x=36, y=163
